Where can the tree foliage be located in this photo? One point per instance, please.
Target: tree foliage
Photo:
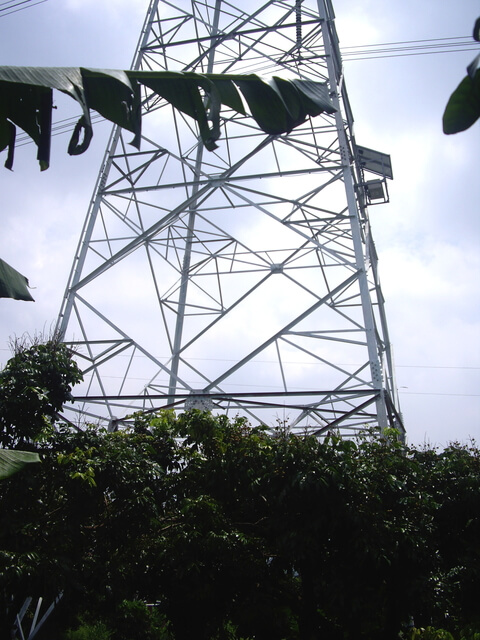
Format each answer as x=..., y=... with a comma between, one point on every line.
x=34, y=386
x=202, y=526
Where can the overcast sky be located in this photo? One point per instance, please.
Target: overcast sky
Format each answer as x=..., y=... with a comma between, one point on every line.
x=427, y=237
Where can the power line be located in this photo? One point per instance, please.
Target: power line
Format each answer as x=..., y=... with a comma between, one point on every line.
x=13, y=6
x=302, y=362
x=433, y=393
x=404, y=55
x=409, y=48
x=59, y=127
x=388, y=44
x=423, y=366
x=351, y=53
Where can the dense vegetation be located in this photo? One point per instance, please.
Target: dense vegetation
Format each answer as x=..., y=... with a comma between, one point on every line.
x=227, y=531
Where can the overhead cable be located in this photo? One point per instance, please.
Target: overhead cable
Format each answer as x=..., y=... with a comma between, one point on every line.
x=408, y=48
x=13, y=6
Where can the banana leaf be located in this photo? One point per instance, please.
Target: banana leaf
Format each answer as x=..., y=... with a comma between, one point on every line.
x=13, y=461
x=277, y=105
x=13, y=284
x=463, y=107
x=476, y=30
x=182, y=91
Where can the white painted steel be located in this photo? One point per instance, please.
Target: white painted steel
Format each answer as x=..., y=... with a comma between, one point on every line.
x=244, y=279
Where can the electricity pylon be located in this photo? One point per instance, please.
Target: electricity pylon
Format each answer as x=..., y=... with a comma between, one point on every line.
x=244, y=279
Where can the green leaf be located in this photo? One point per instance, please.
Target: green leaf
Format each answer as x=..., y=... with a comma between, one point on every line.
x=29, y=107
x=265, y=103
x=304, y=98
x=315, y=96
x=473, y=66
x=476, y=30
x=182, y=91
x=229, y=94
x=13, y=461
x=115, y=96
x=277, y=105
x=13, y=284
x=26, y=97
x=463, y=107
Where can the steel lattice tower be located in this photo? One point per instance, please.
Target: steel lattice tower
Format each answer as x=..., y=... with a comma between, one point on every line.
x=244, y=279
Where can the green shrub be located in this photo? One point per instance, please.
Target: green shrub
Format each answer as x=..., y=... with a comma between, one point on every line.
x=134, y=620
x=470, y=634
x=430, y=633
x=87, y=631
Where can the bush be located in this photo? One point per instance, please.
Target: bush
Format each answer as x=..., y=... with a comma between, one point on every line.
x=86, y=631
x=134, y=620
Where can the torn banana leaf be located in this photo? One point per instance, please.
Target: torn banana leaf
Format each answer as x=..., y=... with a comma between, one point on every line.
x=13, y=284
x=463, y=107
x=13, y=461
x=277, y=105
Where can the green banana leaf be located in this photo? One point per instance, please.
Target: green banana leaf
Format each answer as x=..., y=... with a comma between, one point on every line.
x=463, y=107
x=13, y=461
x=476, y=30
x=13, y=284
x=277, y=105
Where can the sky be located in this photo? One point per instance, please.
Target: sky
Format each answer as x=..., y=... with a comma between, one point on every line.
x=427, y=237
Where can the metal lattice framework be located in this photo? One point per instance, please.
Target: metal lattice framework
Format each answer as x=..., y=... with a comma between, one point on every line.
x=243, y=279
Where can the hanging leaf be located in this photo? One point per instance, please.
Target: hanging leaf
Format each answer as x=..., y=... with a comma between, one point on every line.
x=304, y=98
x=315, y=96
x=473, y=66
x=463, y=107
x=266, y=104
x=13, y=284
x=26, y=99
x=277, y=105
x=476, y=30
x=116, y=97
x=13, y=461
x=229, y=95
x=182, y=91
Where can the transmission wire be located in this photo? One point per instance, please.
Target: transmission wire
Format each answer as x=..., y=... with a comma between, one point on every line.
x=12, y=8
x=366, y=51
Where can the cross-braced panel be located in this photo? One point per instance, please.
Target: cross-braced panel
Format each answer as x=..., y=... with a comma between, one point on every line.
x=242, y=279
